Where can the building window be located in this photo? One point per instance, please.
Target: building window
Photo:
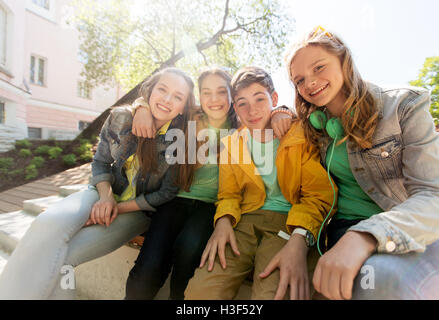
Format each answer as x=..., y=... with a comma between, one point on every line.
x=3, y=33
x=2, y=112
x=42, y=3
x=34, y=133
x=84, y=90
x=83, y=124
x=37, y=70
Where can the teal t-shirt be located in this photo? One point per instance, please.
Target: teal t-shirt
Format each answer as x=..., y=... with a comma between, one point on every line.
x=353, y=202
x=205, y=184
x=264, y=157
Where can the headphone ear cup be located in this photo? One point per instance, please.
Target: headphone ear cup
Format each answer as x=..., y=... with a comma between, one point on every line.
x=318, y=119
x=334, y=128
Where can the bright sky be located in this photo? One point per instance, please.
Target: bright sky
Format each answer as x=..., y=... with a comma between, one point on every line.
x=389, y=39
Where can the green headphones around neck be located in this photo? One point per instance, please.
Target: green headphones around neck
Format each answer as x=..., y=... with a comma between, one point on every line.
x=333, y=126
x=335, y=130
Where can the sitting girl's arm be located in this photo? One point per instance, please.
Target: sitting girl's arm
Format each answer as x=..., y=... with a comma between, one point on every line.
x=143, y=122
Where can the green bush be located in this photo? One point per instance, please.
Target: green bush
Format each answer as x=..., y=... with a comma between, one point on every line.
x=62, y=144
x=69, y=159
x=23, y=143
x=38, y=161
x=43, y=150
x=84, y=141
x=86, y=156
x=16, y=172
x=93, y=139
x=6, y=163
x=83, y=148
x=54, y=152
x=24, y=153
x=31, y=172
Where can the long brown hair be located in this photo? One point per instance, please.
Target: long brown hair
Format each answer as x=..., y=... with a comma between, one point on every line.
x=147, y=148
x=360, y=114
x=217, y=71
x=200, y=117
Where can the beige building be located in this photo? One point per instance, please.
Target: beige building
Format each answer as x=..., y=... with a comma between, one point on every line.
x=42, y=94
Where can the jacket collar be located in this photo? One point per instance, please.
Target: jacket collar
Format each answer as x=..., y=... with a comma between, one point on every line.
x=237, y=147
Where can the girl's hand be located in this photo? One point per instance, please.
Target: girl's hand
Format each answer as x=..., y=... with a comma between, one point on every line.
x=336, y=269
x=143, y=122
x=103, y=212
x=222, y=235
x=292, y=263
x=281, y=123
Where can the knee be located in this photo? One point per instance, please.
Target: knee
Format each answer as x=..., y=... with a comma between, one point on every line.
x=188, y=252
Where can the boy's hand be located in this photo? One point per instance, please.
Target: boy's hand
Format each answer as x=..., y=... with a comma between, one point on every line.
x=222, y=235
x=281, y=123
x=143, y=122
x=336, y=269
x=292, y=264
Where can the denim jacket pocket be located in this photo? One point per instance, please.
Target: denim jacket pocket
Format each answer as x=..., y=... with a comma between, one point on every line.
x=386, y=156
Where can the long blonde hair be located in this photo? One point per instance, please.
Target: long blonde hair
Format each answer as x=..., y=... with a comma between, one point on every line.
x=360, y=114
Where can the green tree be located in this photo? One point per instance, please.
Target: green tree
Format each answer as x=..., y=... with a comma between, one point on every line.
x=127, y=46
x=429, y=78
x=126, y=40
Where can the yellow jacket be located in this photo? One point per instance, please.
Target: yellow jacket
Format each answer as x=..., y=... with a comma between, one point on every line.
x=302, y=180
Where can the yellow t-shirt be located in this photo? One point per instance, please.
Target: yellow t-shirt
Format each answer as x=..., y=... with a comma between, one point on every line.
x=131, y=168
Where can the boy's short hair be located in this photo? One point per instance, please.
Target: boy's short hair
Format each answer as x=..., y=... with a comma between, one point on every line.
x=246, y=76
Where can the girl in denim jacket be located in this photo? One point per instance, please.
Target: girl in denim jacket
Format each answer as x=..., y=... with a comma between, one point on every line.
x=382, y=150
x=130, y=175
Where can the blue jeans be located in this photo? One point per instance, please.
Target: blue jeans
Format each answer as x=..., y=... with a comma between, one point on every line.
x=176, y=239
x=393, y=277
x=57, y=238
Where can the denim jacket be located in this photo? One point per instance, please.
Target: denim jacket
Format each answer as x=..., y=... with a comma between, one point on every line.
x=400, y=172
x=116, y=145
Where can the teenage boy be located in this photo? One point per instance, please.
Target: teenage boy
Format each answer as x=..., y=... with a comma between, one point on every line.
x=290, y=192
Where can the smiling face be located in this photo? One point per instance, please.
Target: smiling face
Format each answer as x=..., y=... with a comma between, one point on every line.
x=253, y=104
x=215, y=98
x=318, y=77
x=168, y=97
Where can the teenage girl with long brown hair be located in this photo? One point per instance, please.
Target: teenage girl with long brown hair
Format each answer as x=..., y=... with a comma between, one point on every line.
x=130, y=177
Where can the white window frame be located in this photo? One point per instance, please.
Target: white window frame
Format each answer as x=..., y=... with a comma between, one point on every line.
x=49, y=14
x=45, y=4
x=84, y=91
x=40, y=130
x=34, y=78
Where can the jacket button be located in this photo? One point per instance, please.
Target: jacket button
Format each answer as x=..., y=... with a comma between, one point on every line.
x=390, y=246
x=384, y=154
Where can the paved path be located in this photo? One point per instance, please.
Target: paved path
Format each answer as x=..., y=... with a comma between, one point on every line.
x=12, y=199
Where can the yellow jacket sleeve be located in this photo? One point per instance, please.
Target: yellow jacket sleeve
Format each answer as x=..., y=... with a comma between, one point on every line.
x=316, y=195
x=229, y=192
